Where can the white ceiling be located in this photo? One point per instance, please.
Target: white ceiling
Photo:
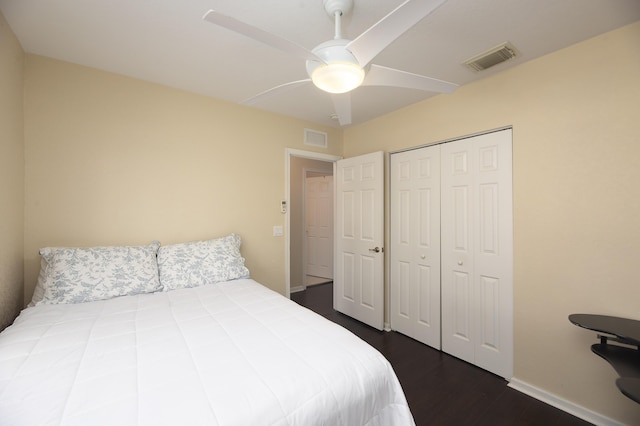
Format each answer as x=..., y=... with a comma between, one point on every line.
x=167, y=42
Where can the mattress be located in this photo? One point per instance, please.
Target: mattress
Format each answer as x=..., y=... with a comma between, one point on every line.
x=232, y=353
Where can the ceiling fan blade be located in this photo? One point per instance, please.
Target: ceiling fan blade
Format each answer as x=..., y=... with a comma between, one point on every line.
x=274, y=91
x=383, y=76
x=259, y=35
x=373, y=41
x=342, y=106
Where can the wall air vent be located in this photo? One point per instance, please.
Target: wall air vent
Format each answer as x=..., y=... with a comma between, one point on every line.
x=315, y=138
x=492, y=57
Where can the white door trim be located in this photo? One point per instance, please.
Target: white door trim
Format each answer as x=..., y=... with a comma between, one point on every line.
x=471, y=135
x=291, y=152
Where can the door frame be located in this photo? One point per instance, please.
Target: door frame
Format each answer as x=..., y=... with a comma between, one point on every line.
x=289, y=153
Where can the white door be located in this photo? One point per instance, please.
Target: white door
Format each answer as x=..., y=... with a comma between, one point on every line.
x=319, y=226
x=415, y=244
x=477, y=251
x=359, y=235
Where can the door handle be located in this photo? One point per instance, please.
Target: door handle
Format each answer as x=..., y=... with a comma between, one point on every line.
x=376, y=249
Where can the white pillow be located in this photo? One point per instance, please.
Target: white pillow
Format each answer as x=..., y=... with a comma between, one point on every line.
x=77, y=275
x=199, y=263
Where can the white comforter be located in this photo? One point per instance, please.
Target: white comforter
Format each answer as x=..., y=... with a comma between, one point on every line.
x=234, y=353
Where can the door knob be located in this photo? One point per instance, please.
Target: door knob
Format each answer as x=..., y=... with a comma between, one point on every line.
x=377, y=249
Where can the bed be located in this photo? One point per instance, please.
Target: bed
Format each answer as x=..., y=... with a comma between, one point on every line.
x=203, y=344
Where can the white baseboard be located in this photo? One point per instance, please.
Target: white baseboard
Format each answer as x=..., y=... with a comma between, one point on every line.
x=562, y=404
x=297, y=289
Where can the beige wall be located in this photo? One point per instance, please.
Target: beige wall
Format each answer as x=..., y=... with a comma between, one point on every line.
x=298, y=166
x=112, y=160
x=11, y=175
x=576, y=174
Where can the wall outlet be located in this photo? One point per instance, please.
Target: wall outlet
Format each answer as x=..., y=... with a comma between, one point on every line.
x=277, y=231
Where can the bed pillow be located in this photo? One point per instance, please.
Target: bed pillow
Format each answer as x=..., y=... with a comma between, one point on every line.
x=77, y=275
x=199, y=263
x=38, y=292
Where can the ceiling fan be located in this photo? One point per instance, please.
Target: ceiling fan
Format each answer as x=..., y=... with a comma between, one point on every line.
x=338, y=66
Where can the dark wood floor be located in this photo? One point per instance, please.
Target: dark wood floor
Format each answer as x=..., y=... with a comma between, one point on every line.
x=441, y=389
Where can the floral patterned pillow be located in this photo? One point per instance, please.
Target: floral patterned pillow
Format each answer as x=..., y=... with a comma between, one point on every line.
x=199, y=263
x=77, y=275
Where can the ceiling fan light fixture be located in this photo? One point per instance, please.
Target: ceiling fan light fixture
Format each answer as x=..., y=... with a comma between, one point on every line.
x=337, y=77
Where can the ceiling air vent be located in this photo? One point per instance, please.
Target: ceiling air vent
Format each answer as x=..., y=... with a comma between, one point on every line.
x=492, y=57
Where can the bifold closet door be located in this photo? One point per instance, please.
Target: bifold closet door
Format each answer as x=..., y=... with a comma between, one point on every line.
x=477, y=251
x=415, y=244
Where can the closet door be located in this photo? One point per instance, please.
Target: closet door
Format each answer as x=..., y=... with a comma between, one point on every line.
x=477, y=251
x=415, y=244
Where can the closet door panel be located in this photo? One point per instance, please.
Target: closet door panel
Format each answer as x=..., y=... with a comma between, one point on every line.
x=489, y=336
x=415, y=244
x=400, y=244
x=403, y=282
x=426, y=302
x=457, y=255
x=494, y=253
x=477, y=246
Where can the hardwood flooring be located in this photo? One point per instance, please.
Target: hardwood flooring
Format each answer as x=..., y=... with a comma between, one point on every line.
x=441, y=389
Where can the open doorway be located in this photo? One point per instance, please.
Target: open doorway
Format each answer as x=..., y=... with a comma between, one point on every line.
x=303, y=213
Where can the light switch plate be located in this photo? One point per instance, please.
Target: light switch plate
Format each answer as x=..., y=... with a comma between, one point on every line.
x=277, y=231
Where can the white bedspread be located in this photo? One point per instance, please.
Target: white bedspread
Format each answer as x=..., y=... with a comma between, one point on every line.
x=234, y=353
